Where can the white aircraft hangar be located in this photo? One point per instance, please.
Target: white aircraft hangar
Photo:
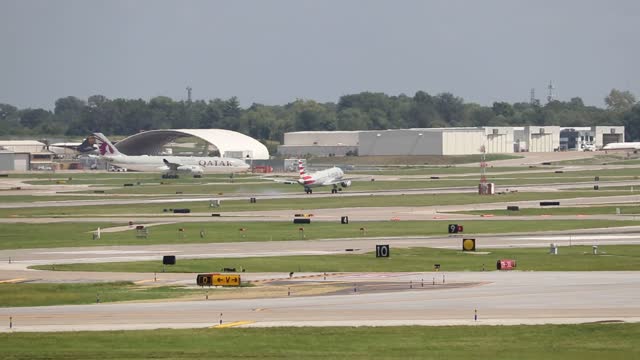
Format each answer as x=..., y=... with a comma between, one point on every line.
x=441, y=141
x=228, y=143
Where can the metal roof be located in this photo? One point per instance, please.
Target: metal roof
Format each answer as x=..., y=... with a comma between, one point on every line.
x=152, y=141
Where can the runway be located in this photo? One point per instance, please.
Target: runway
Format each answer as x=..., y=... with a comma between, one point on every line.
x=498, y=297
x=353, y=191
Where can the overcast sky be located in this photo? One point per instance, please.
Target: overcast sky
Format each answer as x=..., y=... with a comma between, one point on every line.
x=273, y=52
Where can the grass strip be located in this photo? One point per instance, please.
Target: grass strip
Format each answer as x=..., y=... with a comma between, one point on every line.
x=31, y=294
x=21, y=236
x=590, y=341
x=569, y=258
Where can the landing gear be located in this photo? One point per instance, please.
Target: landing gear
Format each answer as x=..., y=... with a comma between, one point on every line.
x=335, y=189
x=308, y=190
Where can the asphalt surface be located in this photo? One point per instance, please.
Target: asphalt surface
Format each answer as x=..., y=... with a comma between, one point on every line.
x=498, y=297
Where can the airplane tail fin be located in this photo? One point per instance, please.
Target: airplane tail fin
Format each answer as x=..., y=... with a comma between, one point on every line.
x=105, y=147
x=301, y=167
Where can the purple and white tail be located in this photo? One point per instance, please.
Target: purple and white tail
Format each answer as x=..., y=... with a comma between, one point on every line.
x=105, y=147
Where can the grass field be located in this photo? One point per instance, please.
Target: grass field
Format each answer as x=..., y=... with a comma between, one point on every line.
x=603, y=159
x=258, y=188
x=12, y=295
x=307, y=203
x=580, y=342
x=20, y=236
x=574, y=258
x=591, y=210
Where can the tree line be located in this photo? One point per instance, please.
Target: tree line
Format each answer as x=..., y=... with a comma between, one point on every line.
x=74, y=117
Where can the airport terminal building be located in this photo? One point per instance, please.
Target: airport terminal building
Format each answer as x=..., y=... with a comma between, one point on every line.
x=447, y=141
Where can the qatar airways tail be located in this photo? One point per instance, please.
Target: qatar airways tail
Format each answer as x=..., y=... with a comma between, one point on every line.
x=170, y=166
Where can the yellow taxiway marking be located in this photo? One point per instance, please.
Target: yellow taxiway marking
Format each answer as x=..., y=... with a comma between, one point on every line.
x=12, y=281
x=232, y=324
x=142, y=281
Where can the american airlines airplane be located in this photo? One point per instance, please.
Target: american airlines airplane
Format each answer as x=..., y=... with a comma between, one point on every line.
x=329, y=177
x=170, y=166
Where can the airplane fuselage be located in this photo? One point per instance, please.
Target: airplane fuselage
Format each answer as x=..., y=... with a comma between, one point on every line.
x=622, y=146
x=209, y=165
x=320, y=178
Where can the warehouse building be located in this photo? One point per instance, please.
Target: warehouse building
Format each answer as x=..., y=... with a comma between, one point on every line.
x=439, y=141
x=14, y=161
x=320, y=143
x=26, y=155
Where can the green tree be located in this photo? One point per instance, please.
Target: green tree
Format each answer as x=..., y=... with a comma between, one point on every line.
x=619, y=100
x=503, y=108
x=631, y=123
x=95, y=101
x=7, y=111
x=352, y=119
x=450, y=108
x=480, y=115
x=32, y=118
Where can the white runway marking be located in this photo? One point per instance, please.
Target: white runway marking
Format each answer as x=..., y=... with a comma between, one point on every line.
x=106, y=252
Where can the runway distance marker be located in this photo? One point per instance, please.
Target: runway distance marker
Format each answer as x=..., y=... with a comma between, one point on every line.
x=382, y=250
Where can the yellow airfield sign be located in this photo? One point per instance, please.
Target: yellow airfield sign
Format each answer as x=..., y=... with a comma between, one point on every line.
x=225, y=280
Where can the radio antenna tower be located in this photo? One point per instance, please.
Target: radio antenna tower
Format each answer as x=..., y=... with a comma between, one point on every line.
x=550, y=95
x=532, y=96
x=189, y=93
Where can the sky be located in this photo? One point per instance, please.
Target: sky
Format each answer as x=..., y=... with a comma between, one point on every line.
x=274, y=52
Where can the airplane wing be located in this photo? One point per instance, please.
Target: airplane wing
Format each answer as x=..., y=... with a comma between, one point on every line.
x=335, y=181
x=281, y=181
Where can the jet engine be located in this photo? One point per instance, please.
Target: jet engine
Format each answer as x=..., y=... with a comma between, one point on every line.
x=345, y=183
x=191, y=169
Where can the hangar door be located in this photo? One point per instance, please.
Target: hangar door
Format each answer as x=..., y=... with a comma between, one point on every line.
x=541, y=143
x=21, y=162
x=499, y=143
x=611, y=138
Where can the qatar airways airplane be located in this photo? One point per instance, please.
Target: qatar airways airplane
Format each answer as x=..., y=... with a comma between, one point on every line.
x=170, y=166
